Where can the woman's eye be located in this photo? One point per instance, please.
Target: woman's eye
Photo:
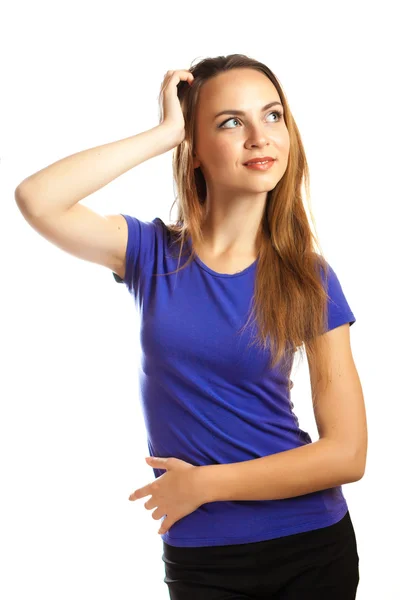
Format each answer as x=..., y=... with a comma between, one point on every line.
x=275, y=112
x=227, y=121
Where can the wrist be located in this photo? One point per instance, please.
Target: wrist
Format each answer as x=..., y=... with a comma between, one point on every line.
x=206, y=482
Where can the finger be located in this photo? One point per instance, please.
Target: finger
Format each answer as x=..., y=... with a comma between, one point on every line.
x=150, y=503
x=165, y=526
x=158, y=514
x=157, y=461
x=141, y=493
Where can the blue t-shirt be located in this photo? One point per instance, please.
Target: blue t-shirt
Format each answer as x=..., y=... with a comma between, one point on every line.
x=208, y=397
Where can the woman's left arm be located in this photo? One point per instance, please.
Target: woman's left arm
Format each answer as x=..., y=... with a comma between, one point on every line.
x=338, y=457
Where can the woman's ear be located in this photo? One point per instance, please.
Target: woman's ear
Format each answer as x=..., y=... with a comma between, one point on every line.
x=196, y=162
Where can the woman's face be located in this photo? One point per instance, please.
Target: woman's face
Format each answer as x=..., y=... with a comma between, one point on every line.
x=224, y=143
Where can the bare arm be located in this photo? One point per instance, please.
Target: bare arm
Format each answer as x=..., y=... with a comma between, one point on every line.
x=61, y=185
x=49, y=199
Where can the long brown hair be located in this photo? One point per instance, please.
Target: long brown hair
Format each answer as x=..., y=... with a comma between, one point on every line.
x=290, y=298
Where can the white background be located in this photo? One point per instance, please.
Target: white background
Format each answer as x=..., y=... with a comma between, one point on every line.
x=73, y=442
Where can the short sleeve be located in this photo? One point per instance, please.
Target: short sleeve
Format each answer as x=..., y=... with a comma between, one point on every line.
x=140, y=249
x=339, y=311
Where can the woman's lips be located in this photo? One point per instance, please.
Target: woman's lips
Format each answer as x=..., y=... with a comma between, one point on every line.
x=260, y=166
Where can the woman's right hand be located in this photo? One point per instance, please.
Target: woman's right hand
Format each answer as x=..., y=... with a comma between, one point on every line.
x=171, y=115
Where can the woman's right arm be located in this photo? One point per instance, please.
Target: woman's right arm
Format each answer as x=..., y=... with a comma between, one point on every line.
x=49, y=199
x=61, y=185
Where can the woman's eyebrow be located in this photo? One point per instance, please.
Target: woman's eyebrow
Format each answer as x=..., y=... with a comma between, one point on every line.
x=241, y=112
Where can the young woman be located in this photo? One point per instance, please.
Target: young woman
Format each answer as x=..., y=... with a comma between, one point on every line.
x=252, y=507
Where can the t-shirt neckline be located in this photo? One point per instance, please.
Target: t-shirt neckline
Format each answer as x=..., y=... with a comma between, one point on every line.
x=215, y=273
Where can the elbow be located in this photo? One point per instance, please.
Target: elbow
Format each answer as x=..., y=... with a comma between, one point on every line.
x=358, y=461
x=358, y=474
x=27, y=206
x=351, y=459
x=20, y=198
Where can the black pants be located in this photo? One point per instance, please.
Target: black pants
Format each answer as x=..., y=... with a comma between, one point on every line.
x=315, y=565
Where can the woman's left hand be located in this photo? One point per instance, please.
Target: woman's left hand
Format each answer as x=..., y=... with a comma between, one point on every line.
x=176, y=493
